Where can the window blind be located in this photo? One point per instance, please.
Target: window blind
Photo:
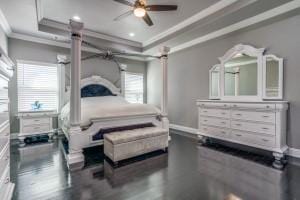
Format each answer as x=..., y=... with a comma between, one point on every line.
x=37, y=82
x=134, y=87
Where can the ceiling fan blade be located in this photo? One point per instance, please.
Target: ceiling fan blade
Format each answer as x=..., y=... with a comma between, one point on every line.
x=148, y=20
x=125, y=2
x=124, y=15
x=161, y=7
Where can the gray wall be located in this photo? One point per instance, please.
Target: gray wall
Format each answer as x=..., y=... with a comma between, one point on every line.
x=3, y=40
x=24, y=50
x=189, y=69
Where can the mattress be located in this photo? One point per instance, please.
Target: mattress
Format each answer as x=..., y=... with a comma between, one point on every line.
x=93, y=108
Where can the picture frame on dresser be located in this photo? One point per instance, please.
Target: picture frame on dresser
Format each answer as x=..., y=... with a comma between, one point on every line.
x=249, y=109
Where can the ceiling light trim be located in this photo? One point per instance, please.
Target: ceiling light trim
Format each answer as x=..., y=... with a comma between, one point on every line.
x=200, y=15
x=4, y=24
x=285, y=8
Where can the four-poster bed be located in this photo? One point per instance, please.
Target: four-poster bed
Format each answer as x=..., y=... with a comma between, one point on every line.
x=85, y=120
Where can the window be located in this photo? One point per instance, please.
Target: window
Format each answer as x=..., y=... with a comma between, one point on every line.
x=134, y=87
x=37, y=86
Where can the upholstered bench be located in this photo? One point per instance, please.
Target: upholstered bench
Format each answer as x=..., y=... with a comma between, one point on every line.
x=127, y=144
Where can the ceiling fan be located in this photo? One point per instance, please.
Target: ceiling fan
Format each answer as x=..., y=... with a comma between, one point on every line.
x=140, y=9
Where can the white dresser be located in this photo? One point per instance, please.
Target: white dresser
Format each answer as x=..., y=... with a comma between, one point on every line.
x=6, y=187
x=256, y=124
x=35, y=123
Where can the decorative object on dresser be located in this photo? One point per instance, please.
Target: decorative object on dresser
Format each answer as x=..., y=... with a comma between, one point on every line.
x=35, y=124
x=238, y=110
x=6, y=72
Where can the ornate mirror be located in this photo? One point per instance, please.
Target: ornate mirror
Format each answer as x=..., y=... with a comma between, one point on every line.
x=214, y=82
x=240, y=76
x=241, y=69
x=273, y=77
x=246, y=74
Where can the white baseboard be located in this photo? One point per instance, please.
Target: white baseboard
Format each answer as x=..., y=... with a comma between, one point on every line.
x=185, y=131
x=294, y=152
x=183, y=128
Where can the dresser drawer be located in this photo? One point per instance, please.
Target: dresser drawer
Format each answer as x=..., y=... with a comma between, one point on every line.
x=3, y=93
x=36, y=129
x=248, y=138
x=4, y=159
x=4, y=182
x=215, y=122
x=3, y=107
x=4, y=132
x=253, y=106
x=33, y=121
x=253, y=127
x=215, y=112
x=254, y=116
x=213, y=105
x=213, y=131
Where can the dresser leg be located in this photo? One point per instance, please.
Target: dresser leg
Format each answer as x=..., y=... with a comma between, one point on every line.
x=50, y=135
x=278, y=162
x=21, y=141
x=204, y=140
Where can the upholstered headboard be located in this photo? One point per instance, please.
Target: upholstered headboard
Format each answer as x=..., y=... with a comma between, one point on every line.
x=95, y=91
x=97, y=86
x=94, y=86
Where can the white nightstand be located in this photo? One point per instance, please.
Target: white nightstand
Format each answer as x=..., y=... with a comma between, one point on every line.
x=36, y=123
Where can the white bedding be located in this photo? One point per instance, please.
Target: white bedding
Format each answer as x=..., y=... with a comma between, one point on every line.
x=106, y=107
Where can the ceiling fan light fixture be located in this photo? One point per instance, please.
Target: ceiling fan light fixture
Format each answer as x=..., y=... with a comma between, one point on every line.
x=139, y=12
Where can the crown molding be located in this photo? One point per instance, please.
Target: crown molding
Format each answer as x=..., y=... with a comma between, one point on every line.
x=62, y=44
x=285, y=8
x=4, y=24
x=39, y=10
x=200, y=15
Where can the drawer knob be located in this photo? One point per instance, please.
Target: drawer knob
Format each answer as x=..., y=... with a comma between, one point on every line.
x=264, y=128
x=6, y=180
x=225, y=105
x=234, y=105
x=223, y=113
x=238, y=135
x=238, y=114
x=238, y=124
x=267, y=106
x=265, y=116
x=205, y=120
x=223, y=132
x=265, y=140
x=223, y=122
x=205, y=111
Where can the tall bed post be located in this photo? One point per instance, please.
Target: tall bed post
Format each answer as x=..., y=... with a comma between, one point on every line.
x=75, y=156
x=164, y=97
x=123, y=69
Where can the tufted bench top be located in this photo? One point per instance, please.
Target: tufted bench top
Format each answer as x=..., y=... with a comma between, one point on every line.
x=133, y=135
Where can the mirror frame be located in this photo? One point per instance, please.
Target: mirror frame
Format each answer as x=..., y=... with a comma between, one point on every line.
x=280, y=78
x=210, y=82
x=250, y=51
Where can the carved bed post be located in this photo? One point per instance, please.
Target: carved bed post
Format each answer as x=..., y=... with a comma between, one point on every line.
x=123, y=68
x=75, y=156
x=164, y=97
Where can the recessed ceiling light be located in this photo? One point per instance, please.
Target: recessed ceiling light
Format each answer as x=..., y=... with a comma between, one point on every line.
x=76, y=17
x=131, y=34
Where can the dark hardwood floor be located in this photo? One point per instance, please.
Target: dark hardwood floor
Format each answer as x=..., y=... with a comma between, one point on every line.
x=188, y=172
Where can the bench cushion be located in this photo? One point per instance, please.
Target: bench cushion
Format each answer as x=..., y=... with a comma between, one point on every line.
x=132, y=135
